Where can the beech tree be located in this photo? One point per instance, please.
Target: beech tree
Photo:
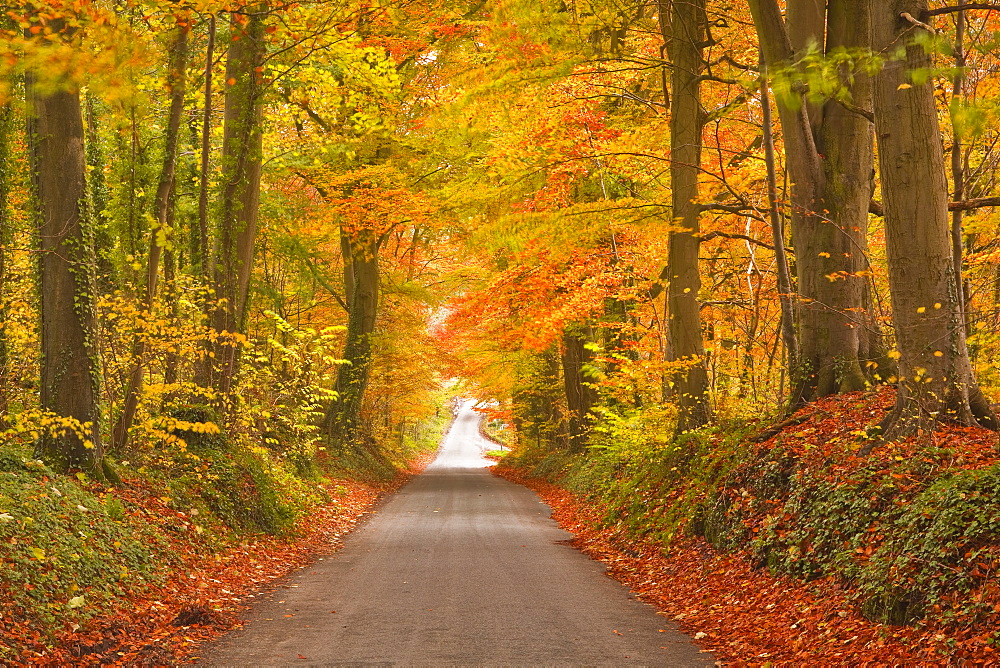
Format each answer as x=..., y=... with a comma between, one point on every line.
x=580, y=394
x=683, y=29
x=240, y=197
x=360, y=249
x=70, y=368
x=829, y=151
x=936, y=381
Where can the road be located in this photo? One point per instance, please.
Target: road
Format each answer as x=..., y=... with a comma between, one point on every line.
x=460, y=567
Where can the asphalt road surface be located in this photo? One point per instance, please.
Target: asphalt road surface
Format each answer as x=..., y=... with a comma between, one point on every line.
x=459, y=568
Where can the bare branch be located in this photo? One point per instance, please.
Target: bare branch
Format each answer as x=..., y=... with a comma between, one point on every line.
x=909, y=17
x=875, y=207
x=957, y=8
x=855, y=109
x=975, y=203
x=740, y=237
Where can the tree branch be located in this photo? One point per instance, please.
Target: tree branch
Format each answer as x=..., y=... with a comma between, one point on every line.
x=708, y=236
x=726, y=58
x=711, y=77
x=909, y=17
x=727, y=208
x=875, y=207
x=855, y=109
x=957, y=8
x=975, y=203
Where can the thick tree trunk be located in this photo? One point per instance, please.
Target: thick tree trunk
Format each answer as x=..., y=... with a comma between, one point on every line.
x=830, y=158
x=241, y=162
x=158, y=235
x=685, y=37
x=70, y=374
x=936, y=381
x=580, y=395
x=343, y=417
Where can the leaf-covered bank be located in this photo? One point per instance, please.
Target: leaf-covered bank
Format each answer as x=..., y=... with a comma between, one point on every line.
x=137, y=573
x=841, y=558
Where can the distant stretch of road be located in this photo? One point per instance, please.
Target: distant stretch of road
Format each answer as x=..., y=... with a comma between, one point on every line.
x=458, y=568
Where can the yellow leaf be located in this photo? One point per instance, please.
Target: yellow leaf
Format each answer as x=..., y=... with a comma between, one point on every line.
x=904, y=86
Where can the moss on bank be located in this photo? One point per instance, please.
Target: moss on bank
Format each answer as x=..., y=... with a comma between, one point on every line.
x=72, y=549
x=912, y=531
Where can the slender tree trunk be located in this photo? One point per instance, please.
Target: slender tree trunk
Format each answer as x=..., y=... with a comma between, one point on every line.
x=98, y=191
x=241, y=159
x=685, y=39
x=785, y=289
x=176, y=85
x=70, y=369
x=171, y=368
x=936, y=381
x=829, y=152
x=343, y=417
x=957, y=172
x=6, y=236
x=205, y=266
x=205, y=369
x=537, y=415
x=580, y=395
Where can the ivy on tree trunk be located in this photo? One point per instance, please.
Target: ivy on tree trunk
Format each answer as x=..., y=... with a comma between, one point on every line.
x=70, y=366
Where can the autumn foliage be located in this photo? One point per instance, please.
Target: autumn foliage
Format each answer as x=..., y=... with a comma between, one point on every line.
x=247, y=248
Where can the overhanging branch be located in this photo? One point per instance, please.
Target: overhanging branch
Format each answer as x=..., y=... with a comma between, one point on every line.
x=875, y=207
x=957, y=8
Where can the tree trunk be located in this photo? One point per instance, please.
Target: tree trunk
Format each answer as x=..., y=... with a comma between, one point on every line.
x=241, y=162
x=70, y=375
x=785, y=295
x=537, y=415
x=343, y=417
x=829, y=151
x=98, y=191
x=958, y=173
x=580, y=395
x=6, y=236
x=205, y=252
x=158, y=235
x=205, y=369
x=685, y=37
x=936, y=381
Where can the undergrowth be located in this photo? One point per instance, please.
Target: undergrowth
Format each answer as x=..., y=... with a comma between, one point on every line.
x=64, y=549
x=72, y=548
x=911, y=531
